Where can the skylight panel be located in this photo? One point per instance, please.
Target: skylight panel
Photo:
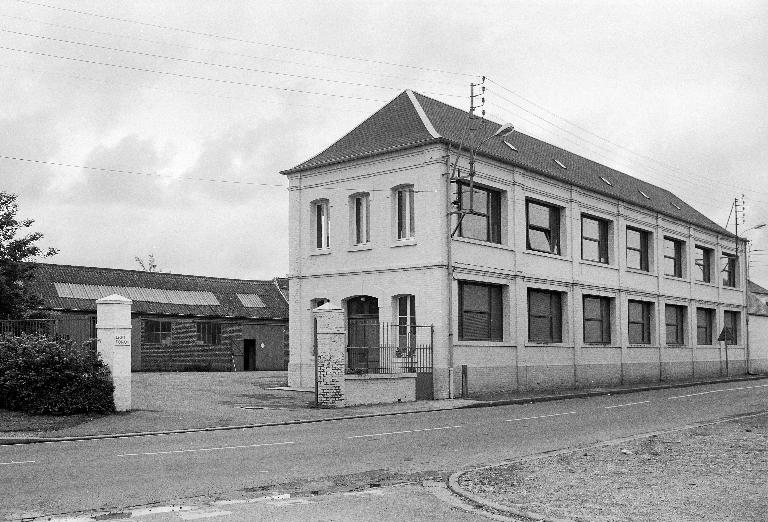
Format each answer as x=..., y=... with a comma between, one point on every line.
x=676, y=205
x=606, y=181
x=508, y=144
x=560, y=164
x=646, y=196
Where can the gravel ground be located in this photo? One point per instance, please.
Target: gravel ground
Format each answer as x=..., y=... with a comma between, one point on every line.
x=716, y=473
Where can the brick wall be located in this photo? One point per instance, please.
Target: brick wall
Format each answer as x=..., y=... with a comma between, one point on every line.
x=184, y=352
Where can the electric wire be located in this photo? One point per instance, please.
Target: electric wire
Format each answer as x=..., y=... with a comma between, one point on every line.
x=213, y=64
x=238, y=55
x=190, y=76
x=246, y=41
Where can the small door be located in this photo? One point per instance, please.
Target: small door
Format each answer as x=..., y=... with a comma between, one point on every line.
x=249, y=355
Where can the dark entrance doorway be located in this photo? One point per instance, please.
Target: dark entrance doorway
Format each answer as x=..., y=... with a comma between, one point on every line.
x=362, y=333
x=249, y=355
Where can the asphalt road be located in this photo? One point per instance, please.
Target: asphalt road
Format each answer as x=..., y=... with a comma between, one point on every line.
x=55, y=478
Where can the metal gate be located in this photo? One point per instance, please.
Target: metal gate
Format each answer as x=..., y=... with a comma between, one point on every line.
x=386, y=348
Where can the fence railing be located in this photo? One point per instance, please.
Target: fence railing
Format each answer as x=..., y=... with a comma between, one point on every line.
x=388, y=348
x=77, y=329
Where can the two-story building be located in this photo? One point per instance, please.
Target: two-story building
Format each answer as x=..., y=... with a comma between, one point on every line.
x=551, y=271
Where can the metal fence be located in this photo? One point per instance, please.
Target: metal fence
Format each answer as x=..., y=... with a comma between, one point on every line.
x=77, y=329
x=374, y=347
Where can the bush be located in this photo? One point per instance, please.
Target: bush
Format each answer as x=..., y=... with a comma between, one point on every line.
x=53, y=376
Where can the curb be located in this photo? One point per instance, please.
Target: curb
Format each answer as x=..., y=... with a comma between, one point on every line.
x=10, y=441
x=509, y=511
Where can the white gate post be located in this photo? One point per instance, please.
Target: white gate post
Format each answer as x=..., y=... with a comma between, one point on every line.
x=113, y=326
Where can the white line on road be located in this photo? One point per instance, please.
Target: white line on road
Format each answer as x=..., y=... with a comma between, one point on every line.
x=197, y=515
x=627, y=404
x=718, y=391
x=540, y=416
x=218, y=448
x=401, y=432
x=16, y=462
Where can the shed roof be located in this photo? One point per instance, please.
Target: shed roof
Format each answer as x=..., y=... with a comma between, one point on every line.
x=69, y=287
x=412, y=119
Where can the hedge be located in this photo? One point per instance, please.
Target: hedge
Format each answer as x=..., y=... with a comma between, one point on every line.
x=42, y=375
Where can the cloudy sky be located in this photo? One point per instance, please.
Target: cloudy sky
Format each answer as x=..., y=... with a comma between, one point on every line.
x=159, y=126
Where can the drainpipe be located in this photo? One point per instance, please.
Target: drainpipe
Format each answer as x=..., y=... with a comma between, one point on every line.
x=449, y=262
x=746, y=307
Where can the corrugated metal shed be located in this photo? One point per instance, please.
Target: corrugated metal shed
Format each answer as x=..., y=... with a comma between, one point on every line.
x=68, y=287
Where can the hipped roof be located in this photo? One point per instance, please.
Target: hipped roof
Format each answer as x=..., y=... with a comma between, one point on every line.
x=412, y=119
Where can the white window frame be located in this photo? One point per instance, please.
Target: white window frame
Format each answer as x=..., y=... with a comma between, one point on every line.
x=403, y=213
x=360, y=218
x=321, y=224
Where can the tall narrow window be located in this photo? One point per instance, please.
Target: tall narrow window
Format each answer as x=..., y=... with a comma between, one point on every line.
x=704, y=326
x=480, y=312
x=703, y=264
x=321, y=224
x=673, y=257
x=404, y=212
x=543, y=227
x=361, y=229
x=639, y=322
x=406, y=325
x=545, y=316
x=594, y=239
x=597, y=319
x=637, y=249
x=728, y=263
x=675, y=321
x=731, y=326
x=484, y=220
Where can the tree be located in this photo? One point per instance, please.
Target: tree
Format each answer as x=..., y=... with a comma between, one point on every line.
x=150, y=265
x=17, y=248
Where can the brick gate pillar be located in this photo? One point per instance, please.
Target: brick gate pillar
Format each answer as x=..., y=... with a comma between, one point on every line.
x=113, y=326
x=330, y=359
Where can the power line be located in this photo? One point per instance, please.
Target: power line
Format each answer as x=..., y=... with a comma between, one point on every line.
x=178, y=91
x=613, y=143
x=213, y=64
x=246, y=41
x=190, y=76
x=187, y=178
x=230, y=53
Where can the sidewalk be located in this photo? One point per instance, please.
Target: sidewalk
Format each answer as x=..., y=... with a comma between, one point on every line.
x=167, y=402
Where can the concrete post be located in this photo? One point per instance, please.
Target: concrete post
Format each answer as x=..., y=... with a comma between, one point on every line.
x=113, y=326
x=330, y=360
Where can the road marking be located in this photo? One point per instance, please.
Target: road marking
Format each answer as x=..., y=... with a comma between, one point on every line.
x=196, y=515
x=16, y=462
x=627, y=404
x=718, y=391
x=218, y=448
x=143, y=512
x=401, y=432
x=540, y=416
x=280, y=496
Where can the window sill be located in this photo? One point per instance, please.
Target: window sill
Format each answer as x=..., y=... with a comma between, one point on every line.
x=644, y=345
x=533, y=344
x=473, y=241
x=678, y=346
x=639, y=271
x=599, y=345
x=675, y=278
x=475, y=343
x=361, y=247
x=323, y=252
x=548, y=254
x=403, y=242
x=704, y=283
x=730, y=287
x=598, y=263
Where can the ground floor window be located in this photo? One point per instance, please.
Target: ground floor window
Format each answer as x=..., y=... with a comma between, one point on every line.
x=639, y=322
x=731, y=327
x=545, y=316
x=158, y=332
x=597, y=319
x=704, y=325
x=675, y=320
x=209, y=333
x=480, y=312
